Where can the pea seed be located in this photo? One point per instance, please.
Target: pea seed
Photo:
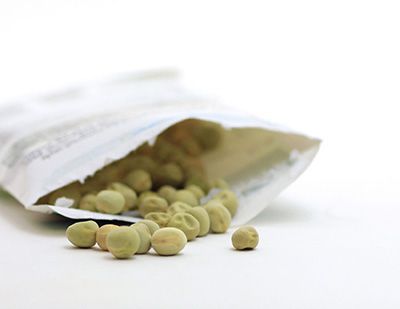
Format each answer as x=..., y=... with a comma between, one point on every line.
x=110, y=202
x=202, y=216
x=151, y=225
x=219, y=184
x=128, y=194
x=101, y=235
x=144, y=234
x=169, y=174
x=229, y=200
x=123, y=242
x=82, y=234
x=168, y=241
x=109, y=173
x=245, y=237
x=208, y=134
x=220, y=218
x=178, y=207
x=186, y=196
x=139, y=180
x=161, y=218
x=198, y=180
x=196, y=190
x=144, y=195
x=186, y=223
x=152, y=204
x=167, y=192
x=141, y=162
x=88, y=202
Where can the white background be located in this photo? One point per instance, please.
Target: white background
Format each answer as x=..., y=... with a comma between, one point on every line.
x=330, y=68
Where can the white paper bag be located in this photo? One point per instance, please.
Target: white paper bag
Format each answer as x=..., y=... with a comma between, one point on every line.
x=50, y=141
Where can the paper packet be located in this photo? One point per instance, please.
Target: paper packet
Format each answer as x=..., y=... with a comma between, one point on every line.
x=52, y=140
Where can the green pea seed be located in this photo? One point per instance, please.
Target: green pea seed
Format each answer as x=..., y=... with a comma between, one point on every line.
x=128, y=194
x=186, y=223
x=139, y=180
x=161, y=218
x=82, y=234
x=144, y=195
x=198, y=180
x=109, y=173
x=151, y=225
x=144, y=234
x=101, y=235
x=245, y=237
x=202, y=216
x=229, y=200
x=141, y=162
x=220, y=218
x=167, y=192
x=178, y=207
x=110, y=202
x=153, y=204
x=196, y=190
x=123, y=242
x=88, y=202
x=169, y=174
x=219, y=184
x=186, y=196
x=168, y=241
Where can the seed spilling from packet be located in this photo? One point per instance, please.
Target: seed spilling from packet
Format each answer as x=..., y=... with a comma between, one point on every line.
x=167, y=185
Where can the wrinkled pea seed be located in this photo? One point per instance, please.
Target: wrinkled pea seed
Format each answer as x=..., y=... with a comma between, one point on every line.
x=128, y=194
x=186, y=196
x=101, y=235
x=202, y=216
x=245, y=237
x=88, y=202
x=186, y=223
x=145, y=195
x=144, y=234
x=82, y=234
x=168, y=241
x=229, y=200
x=139, y=180
x=196, y=190
x=152, y=204
x=178, y=207
x=123, y=242
x=220, y=218
x=151, y=225
x=167, y=192
x=110, y=202
x=161, y=218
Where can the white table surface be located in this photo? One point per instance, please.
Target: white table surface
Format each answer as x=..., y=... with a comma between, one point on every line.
x=331, y=240
x=321, y=246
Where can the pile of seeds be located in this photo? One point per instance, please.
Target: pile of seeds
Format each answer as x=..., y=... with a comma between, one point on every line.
x=170, y=170
x=125, y=241
x=166, y=184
